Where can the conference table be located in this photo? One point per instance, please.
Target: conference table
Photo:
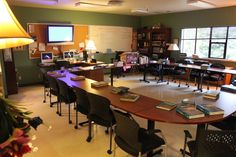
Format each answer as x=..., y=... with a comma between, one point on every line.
x=145, y=107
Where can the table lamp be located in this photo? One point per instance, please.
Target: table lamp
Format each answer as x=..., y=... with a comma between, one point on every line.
x=12, y=33
x=90, y=47
x=173, y=48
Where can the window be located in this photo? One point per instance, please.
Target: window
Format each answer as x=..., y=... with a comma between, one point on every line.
x=212, y=42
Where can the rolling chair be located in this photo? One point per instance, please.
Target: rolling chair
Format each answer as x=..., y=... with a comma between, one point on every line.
x=212, y=76
x=101, y=114
x=133, y=139
x=211, y=143
x=62, y=63
x=53, y=90
x=82, y=104
x=66, y=95
x=45, y=83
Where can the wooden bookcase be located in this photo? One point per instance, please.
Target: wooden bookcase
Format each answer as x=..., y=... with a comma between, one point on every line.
x=154, y=41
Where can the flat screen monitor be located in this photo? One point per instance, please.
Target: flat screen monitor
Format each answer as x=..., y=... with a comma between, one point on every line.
x=68, y=54
x=46, y=57
x=60, y=34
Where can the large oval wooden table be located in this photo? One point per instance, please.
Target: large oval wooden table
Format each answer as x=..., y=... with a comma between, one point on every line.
x=145, y=107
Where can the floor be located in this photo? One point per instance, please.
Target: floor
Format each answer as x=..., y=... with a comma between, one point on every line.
x=62, y=140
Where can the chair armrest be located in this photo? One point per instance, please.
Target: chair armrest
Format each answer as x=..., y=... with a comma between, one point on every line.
x=187, y=134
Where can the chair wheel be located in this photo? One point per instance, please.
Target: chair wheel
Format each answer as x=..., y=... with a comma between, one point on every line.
x=50, y=105
x=89, y=139
x=44, y=101
x=179, y=85
x=109, y=151
x=76, y=127
x=70, y=121
x=59, y=114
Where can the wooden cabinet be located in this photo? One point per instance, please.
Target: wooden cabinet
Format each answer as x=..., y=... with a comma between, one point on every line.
x=144, y=41
x=154, y=41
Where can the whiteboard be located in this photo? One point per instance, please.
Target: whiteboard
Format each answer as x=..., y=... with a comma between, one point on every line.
x=111, y=37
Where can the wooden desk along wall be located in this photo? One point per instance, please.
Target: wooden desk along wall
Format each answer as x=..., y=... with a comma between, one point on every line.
x=38, y=32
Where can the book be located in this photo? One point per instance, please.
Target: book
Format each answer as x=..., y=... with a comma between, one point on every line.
x=129, y=97
x=77, y=78
x=210, y=109
x=212, y=94
x=99, y=84
x=119, y=90
x=189, y=111
x=166, y=106
x=228, y=88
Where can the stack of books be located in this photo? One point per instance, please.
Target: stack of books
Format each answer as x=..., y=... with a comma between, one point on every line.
x=99, y=84
x=77, y=78
x=129, y=97
x=212, y=94
x=210, y=109
x=166, y=106
x=120, y=90
x=189, y=111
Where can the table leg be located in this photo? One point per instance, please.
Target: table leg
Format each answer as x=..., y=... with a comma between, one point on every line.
x=145, y=74
x=199, y=82
x=112, y=71
x=160, y=80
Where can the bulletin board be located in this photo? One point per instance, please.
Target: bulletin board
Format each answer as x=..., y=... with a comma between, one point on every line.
x=38, y=32
x=111, y=37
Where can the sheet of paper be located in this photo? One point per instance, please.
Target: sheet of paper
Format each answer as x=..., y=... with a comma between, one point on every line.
x=33, y=47
x=41, y=47
x=55, y=48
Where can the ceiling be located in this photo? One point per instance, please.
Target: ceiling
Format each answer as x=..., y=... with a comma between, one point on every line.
x=152, y=6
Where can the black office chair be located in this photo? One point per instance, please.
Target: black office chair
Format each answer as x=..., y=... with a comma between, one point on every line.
x=133, y=139
x=82, y=104
x=54, y=90
x=211, y=143
x=66, y=95
x=101, y=114
x=179, y=71
x=45, y=84
x=62, y=63
x=228, y=123
x=212, y=76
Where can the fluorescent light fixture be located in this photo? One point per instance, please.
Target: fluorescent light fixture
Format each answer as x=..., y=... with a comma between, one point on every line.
x=12, y=33
x=140, y=10
x=200, y=3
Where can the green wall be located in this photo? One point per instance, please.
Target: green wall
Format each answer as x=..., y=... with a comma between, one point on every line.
x=27, y=69
x=211, y=17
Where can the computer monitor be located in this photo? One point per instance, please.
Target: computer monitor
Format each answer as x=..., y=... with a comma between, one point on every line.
x=46, y=57
x=68, y=54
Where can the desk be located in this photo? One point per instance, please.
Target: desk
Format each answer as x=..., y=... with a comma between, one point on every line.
x=145, y=107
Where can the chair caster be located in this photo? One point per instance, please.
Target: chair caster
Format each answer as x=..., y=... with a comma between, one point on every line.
x=109, y=151
x=106, y=131
x=89, y=139
x=70, y=122
x=44, y=101
x=76, y=127
x=59, y=114
x=179, y=85
x=50, y=105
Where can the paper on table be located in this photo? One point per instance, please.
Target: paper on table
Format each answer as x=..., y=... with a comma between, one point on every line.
x=33, y=47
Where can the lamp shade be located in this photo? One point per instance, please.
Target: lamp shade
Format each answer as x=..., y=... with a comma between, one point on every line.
x=12, y=33
x=90, y=45
x=173, y=47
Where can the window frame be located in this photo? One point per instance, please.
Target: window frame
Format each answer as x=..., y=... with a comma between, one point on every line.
x=211, y=40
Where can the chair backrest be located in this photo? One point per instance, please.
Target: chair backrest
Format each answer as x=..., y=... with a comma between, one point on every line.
x=216, y=143
x=127, y=129
x=100, y=108
x=53, y=83
x=62, y=63
x=82, y=100
x=219, y=66
x=66, y=93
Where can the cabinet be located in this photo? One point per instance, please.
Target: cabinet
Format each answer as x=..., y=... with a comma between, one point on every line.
x=144, y=41
x=159, y=39
x=154, y=41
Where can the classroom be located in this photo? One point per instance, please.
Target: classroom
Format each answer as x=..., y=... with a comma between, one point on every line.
x=118, y=77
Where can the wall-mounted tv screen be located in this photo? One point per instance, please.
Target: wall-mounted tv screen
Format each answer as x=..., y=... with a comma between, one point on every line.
x=60, y=34
x=46, y=57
